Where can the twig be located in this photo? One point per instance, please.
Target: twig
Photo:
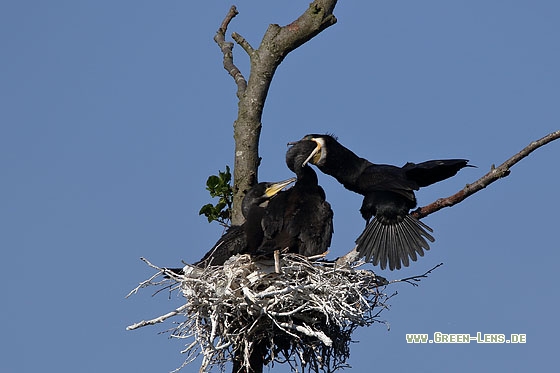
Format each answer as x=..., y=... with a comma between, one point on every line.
x=309, y=332
x=409, y=280
x=242, y=312
x=157, y=320
x=147, y=282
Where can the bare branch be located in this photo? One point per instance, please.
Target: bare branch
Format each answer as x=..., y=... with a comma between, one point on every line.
x=243, y=43
x=276, y=44
x=148, y=282
x=227, y=50
x=412, y=280
x=157, y=320
x=495, y=173
x=351, y=257
x=309, y=332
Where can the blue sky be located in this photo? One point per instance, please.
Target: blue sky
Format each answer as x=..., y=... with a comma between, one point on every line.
x=114, y=114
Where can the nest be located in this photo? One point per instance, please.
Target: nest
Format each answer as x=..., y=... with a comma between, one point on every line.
x=295, y=310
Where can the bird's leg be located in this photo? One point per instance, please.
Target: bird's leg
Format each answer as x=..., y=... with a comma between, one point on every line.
x=277, y=267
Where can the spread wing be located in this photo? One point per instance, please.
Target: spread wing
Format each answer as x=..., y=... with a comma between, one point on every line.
x=387, y=178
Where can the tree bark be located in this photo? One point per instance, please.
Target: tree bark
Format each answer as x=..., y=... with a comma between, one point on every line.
x=276, y=44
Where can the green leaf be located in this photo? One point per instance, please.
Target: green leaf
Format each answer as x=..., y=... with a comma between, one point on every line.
x=219, y=186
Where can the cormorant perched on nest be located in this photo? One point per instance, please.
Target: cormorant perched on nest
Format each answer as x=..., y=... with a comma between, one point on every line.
x=299, y=219
x=392, y=236
x=247, y=237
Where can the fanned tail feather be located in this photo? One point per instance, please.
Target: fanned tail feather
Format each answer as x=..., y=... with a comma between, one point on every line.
x=394, y=244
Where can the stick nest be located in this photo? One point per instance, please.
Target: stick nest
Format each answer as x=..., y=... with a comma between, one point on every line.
x=304, y=314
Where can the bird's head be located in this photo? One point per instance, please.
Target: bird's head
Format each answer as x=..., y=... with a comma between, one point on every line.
x=319, y=153
x=260, y=194
x=298, y=154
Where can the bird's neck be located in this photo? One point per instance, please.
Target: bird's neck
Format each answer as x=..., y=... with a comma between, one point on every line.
x=307, y=177
x=345, y=166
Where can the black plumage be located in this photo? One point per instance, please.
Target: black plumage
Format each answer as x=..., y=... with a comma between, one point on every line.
x=391, y=236
x=299, y=219
x=247, y=237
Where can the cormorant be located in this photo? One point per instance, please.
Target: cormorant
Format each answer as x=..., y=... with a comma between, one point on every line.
x=247, y=237
x=299, y=219
x=392, y=236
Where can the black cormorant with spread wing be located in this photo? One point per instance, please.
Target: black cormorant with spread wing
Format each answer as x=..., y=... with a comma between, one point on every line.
x=247, y=237
x=392, y=237
x=299, y=219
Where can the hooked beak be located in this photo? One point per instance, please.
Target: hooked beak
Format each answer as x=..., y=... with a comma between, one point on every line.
x=313, y=153
x=274, y=188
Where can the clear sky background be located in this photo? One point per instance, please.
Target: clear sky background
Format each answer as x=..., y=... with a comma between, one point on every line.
x=114, y=113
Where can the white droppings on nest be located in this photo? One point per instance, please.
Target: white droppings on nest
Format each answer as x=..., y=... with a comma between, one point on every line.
x=305, y=314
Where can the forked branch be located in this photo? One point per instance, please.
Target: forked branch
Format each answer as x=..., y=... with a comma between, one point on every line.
x=277, y=43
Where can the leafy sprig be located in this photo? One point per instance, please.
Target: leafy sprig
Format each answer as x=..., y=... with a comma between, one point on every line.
x=219, y=186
